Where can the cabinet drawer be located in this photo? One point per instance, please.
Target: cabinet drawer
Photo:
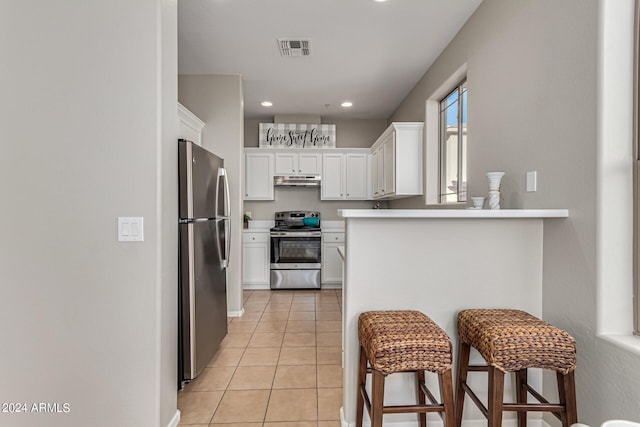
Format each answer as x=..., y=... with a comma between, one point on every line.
x=333, y=237
x=255, y=237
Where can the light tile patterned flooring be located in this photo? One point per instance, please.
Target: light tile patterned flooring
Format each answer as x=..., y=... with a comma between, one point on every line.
x=279, y=366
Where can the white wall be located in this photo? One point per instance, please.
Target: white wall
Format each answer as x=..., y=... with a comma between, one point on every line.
x=217, y=100
x=88, y=119
x=535, y=97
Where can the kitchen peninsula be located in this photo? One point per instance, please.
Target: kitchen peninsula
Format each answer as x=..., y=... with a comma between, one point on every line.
x=438, y=262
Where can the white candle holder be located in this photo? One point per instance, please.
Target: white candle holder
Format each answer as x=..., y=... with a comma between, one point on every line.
x=494, y=189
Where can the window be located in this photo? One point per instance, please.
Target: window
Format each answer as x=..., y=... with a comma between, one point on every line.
x=453, y=145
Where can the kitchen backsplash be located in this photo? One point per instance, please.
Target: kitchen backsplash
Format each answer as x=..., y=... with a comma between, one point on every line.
x=308, y=199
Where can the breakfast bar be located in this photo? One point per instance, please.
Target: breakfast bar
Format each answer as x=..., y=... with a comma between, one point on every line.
x=438, y=262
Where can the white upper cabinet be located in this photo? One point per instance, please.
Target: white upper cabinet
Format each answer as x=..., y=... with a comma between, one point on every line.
x=397, y=161
x=357, y=172
x=333, y=176
x=258, y=176
x=344, y=176
x=296, y=163
x=344, y=172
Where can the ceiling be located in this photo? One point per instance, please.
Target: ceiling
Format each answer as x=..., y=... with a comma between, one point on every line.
x=367, y=52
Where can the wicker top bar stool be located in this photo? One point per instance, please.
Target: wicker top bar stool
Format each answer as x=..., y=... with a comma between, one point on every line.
x=403, y=341
x=513, y=341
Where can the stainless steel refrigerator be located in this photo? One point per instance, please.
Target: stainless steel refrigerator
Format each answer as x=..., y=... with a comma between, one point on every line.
x=203, y=257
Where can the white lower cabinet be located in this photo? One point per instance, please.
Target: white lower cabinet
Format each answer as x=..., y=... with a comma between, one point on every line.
x=331, y=259
x=255, y=259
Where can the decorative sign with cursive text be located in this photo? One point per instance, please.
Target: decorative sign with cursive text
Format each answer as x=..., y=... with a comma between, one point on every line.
x=279, y=135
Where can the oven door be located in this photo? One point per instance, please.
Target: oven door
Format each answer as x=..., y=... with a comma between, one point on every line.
x=296, y=250
x=295, y=259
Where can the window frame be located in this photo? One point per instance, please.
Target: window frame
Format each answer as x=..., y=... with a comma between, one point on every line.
x=461, y=196
x=636, y=169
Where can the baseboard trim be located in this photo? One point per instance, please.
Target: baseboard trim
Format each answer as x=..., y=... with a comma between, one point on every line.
x=235, y=313
x=175, y=420
x=256, y=287
x=538, y=422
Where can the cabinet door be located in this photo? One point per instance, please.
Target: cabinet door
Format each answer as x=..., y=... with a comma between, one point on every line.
x=375, y=188
x=380, y=171
x=331, y=263
x=255, y=258
x=258, y=176
x=332, y=176
x=286, y=163
x=309, y=163
x=255, y=263
x=389, y=184
x=356, y=176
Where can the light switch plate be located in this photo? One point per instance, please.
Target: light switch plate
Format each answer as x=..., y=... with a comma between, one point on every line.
x=130, y=229
x=532, y=181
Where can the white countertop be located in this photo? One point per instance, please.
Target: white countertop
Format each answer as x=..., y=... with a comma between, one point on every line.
x=453, y=213
x=332, y=226
x=259, y=225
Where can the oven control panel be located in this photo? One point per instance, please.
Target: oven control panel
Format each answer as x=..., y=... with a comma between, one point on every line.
x=285, y=215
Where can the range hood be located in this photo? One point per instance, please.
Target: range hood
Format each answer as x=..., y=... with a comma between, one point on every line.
x=296, y=180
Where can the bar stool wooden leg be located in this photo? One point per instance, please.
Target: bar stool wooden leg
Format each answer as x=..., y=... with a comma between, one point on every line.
x=496, y=396
x=362, y=380
x=463, y=364
x=521, y=395
x=567, y=395
x=446, y=396
x=422, y=417
x=377, y=392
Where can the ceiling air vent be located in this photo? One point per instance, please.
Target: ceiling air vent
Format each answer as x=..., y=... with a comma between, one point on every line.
x=295, y=47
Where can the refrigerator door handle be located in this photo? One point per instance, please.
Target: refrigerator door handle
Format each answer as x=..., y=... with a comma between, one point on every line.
x=222, y=260
x=222, y=172
x=227, y=249
x=217, y=206
x=227, y=202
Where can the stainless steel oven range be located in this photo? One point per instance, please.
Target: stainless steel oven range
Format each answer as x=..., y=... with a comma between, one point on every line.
x=295, y=250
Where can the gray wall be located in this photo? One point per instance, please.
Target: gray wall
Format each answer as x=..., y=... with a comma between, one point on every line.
x=88, y=123
x=217, y=101
x=533, y=83
x=349, y=134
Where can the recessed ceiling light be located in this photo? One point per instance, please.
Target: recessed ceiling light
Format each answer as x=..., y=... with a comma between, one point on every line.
x=347, y=104
x=266, y=103
x=380, y=1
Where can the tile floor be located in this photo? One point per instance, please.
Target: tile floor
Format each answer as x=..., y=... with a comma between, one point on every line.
x=279, y=366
